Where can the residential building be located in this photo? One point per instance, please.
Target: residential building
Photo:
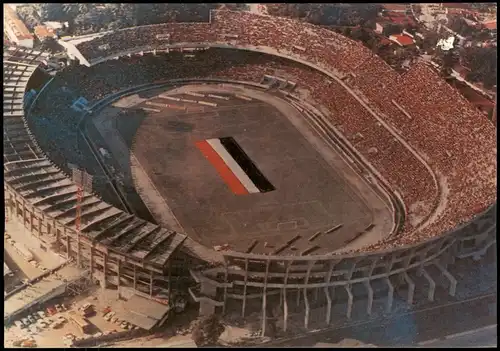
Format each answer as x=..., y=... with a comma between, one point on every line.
x=15, y=29
x=402, y=40
x=43, y=32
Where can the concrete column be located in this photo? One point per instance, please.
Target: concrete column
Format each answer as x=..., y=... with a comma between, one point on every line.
x=118, y=266
x=306, y=302
x=24, y=213
x=16, y=209
x=370, y=298
x=151, y=284
x=432, y=285
x=288, y=265
x=243, y=306
x=135, y=278
x=91, y=262
x=31, y=222
x=58, y=235
x=68, y=252
x=226, y=268
x=451, y=279
x=390, y=294
x=170, y=280
x=411, y=287
x=40, y=226
x=328, y=305
x=285, y=310
x=264, y=300
x=104, y=270
x=350, y=299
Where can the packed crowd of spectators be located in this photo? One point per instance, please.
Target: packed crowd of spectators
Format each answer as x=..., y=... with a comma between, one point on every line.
x=281, y=33
x=454, y=139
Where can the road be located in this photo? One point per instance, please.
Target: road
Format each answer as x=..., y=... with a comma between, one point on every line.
x=482, y=337
x=412, y=328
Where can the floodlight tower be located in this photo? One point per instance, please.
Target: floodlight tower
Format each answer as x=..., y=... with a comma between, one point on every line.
x=83, y=181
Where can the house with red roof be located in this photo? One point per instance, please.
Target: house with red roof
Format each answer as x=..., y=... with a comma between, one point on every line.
x=402, y=40
x=491, y=25
x=396, y=7
x=456, y=5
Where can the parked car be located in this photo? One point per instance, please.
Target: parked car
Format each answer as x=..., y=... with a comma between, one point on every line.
x=84, y=306
x=62, y=319
x=33, y=328
x=59, y=309
x=42, y=324
x=68, y=339
x=64, y=307
x=124, y=325
x=25, y=321
x=41, y=314
x=56, y=325
x=51, y=311
x=19, y=324
x=28, y=343
x=7, y=236
x=31, y=319
x=109, y=316
x=35, y=316
x=106, y=310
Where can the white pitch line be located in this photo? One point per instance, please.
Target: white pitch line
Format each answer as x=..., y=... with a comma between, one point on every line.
x=150, y=109
x=233, y=165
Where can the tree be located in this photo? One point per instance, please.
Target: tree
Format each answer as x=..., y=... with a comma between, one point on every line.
x=52, y=12
x=483, y=65
x=207, y=330
x=51, y=44
x=29, y=15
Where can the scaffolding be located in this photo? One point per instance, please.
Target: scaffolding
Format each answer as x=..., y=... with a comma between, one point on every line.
x=83, y=181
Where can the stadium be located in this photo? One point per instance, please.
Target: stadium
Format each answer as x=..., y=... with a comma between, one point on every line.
x=268, y=159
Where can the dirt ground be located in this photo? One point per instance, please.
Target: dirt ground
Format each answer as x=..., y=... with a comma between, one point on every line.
x=310, y=195
x=54, y=337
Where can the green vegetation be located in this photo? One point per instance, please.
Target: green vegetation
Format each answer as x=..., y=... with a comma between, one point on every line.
x=86, y=18
x=207, y=330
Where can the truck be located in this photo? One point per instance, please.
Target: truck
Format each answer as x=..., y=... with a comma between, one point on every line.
x=87, y=310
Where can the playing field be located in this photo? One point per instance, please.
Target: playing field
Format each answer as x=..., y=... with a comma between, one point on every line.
x=242, y=174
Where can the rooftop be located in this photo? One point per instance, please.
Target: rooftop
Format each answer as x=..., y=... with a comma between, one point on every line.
x=402, y=40
x=395, y=7
x=490, y=25
x=44, y=32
